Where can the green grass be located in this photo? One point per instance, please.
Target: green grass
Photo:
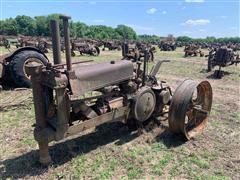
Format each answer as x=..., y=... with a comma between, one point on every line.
x=235, y=116
x=159, y=167
x=133, y=171
x=27, y=141
x=108, y=172
x=156, y=147
x=79, y=166
x=199, y=162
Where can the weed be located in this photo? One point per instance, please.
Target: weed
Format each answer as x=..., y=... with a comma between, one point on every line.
x=158, y=168
x=27, y=141
x=134, y=171
x=199, y=162
x=79, y=165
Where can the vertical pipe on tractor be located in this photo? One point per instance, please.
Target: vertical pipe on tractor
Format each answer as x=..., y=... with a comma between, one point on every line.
x=56, y=41
x=35, y=72
x=144, y=67
x=67, y=41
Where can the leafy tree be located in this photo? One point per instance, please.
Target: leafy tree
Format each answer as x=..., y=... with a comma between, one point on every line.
x=184, y=39
x=9, y=27
x=41, y=26
x=79, y=29
x=25, y=25
x=148, y=38
x=126, y=32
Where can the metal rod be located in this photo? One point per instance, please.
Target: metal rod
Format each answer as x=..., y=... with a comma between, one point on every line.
x=144, y=67
x=56, y=42
x=67, y=41
x=85, y=61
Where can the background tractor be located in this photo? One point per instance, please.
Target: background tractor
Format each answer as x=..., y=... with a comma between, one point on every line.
x=12, y=66
x=221, y=57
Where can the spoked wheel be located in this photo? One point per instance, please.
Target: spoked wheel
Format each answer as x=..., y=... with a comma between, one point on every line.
x=190, y=107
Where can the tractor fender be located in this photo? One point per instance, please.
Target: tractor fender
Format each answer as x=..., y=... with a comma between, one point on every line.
x=9, y=56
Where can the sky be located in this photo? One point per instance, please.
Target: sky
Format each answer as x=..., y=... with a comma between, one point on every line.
x=195, y=18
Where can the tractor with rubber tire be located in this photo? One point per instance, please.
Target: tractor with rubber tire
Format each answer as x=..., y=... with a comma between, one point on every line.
x=222, y=57
x=12, y=66
x=135, y=52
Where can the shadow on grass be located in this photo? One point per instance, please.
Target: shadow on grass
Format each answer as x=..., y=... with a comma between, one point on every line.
x=169, y=139
x=216, y=74
x=27, y=165
x=219, y=74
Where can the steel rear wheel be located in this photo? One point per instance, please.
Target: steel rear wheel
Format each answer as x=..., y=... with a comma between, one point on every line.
x=190, y=107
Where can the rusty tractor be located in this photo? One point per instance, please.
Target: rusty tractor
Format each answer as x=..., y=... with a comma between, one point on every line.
x=43, y=44
x=193, y=50
x=111, y=45
x=221, y=57
x=124, y=92
x=7, y=42
x=84, y=48
x=135, y=52
x=167, y=46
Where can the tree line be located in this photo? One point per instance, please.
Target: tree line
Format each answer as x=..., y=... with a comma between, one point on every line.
x=39, y=26
x=210, y=39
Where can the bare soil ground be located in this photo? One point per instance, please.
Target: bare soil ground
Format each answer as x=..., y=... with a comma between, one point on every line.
x=112, y=152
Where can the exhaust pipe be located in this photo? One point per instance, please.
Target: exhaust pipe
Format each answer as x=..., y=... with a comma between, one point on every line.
x=67, y=41
x=56, y=42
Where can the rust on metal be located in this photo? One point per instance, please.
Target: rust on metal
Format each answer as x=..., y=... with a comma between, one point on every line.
x=188, y=111
x=67, y=41
x=92, y=77
x=71, y=99
x=56, y=41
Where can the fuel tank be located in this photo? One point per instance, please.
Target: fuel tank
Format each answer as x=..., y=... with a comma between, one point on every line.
x=96, y=76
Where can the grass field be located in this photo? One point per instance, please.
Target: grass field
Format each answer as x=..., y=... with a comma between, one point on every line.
x=112, y=152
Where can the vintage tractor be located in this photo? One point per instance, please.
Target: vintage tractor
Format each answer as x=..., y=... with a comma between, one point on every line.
x=7, y=42
x=111, y=45
x=135, y=52
x=84, y=48
x=12, y=66
x=193, y=50
x=221, y=57
x=44, y=45
x=167, y=46
x=124, y=92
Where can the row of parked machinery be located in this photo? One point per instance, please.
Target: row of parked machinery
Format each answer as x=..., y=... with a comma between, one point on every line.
x=12, y=65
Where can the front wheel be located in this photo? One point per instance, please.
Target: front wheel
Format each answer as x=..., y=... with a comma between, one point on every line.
x=190, y=107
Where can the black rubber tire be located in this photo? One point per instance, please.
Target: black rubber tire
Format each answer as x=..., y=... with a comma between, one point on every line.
x=73, y=53
x=18, y=76
x=97, y=50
